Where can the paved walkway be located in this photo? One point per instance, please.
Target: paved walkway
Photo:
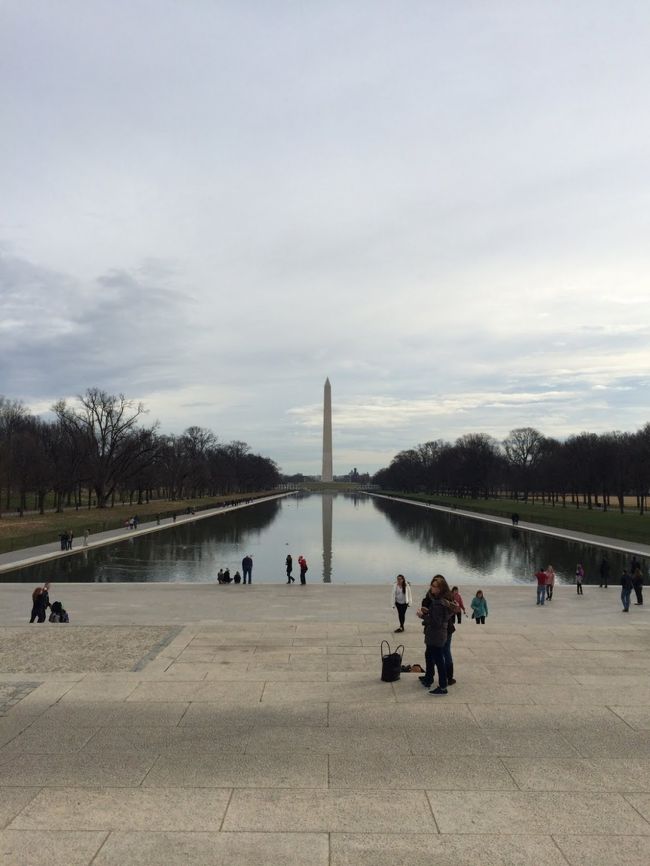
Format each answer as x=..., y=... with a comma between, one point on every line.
x=205, y=724
x=44, y=552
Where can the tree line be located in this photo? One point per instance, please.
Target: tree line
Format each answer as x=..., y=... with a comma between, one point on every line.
x=98, y=448
x=588, y=469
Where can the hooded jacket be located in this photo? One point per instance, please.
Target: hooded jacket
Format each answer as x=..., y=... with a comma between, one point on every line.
x=436, y=620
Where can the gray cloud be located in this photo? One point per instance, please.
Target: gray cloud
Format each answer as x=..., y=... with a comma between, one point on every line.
x=445, y=211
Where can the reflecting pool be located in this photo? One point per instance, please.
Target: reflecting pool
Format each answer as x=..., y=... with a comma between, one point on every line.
x=346, y=539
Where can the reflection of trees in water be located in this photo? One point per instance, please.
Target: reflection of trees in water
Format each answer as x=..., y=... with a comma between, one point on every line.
x=135, y=559
x=486, y=547
x=437, y=532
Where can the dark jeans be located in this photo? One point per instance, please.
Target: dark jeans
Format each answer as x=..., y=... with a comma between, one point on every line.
x=449, y=662
x=247, y=574
x=638, y=591
x=479, y=619
x=459, y=617
x=401, y=612
x=434, y=658
x=579, y=588
x=549, y=591
x=289, y=578
x=37, y=612
x=302, y=577
x=625, y=598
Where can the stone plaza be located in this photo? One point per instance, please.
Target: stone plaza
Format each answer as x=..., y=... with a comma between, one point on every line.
x=206, y=724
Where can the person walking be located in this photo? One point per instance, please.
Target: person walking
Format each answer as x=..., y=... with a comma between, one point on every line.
x=604, y=572
x=402, y=598
x=40, y=602
x=479, y=607
x=289, y=564
x=437, y=609
x=550, y=582
x=626, y=590
x=247, y=568
x=541, y=586
x=580, y=576
x=637, y=584
x=86, y=534
x=302, y=562
x=458, y=600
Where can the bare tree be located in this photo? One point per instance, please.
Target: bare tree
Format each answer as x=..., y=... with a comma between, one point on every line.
x=524, y=448
x=115, y=446
x=13, y=416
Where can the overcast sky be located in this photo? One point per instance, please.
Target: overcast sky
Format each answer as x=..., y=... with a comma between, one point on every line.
x=443, y=206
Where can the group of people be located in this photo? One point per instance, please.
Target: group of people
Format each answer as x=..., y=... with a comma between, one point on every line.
x=302, y=565
x=65, y=538
x=246, y=576
x=40, y=604
x=631, y=580
x=545, y=584
x=223, y=575
x=439, y=610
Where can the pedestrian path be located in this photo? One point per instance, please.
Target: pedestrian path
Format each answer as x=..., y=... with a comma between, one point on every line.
x=44, y=552
x=250, y=725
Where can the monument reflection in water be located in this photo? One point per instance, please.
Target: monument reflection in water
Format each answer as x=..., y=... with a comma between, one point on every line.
x=327, y=508
x=360, y=540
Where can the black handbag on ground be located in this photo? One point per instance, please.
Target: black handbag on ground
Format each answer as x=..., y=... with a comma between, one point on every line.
x=391, y=662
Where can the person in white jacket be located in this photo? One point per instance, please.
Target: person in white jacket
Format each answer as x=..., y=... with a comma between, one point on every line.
x=401, y=598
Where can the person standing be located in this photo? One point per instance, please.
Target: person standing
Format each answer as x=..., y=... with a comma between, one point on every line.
x=580, y=576
x=40, y=602
x=626, y=590
x=289, y=564
x=401, y=599
x=247, y=568
x=436, y=611
x=479, y=607
x=550, y=582
x=541, y=586
x=458, y=600
x=604, y=572
x=637, y=584
x=86, y=534
x=302, y=562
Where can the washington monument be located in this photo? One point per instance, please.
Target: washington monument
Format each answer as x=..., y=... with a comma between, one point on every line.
x=327, y=433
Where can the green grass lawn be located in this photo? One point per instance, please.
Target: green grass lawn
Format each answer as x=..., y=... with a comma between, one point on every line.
x=32, y=529
x=630, y=526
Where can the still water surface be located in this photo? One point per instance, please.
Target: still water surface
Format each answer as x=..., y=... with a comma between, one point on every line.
x=346, y=538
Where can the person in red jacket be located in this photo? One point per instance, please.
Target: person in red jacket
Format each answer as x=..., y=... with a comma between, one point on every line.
x=302, y=562
x=541, y=586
